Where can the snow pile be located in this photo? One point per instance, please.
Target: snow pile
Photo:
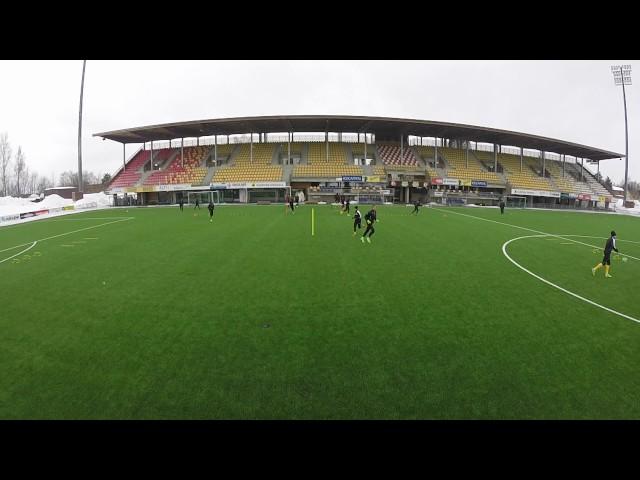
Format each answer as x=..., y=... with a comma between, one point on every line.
x=52, y=201
x=621, y=209
x=100, y=199
x=12, y=205
x=15, y=206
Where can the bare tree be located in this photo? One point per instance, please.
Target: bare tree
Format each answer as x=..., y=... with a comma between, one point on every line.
x=20, y=170
x=106, y=178
x=89, y=178
x=43, y=184
x=5, y=160
x=32, y=184
x=70, y=179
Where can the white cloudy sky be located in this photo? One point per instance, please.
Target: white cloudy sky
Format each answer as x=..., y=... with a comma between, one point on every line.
x=569, y=100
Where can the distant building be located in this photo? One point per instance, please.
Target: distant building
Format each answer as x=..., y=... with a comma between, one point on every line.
x=65, y=192
x=94, y=188
x=617, y=192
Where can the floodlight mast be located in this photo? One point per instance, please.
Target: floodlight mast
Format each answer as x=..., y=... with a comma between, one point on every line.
x=622, y=76
x=80, y=186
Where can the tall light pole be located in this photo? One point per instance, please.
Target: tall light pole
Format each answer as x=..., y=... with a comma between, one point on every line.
x=622, y=76
x=80, y=186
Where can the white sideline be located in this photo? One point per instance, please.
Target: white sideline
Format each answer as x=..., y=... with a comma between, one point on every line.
x=124, y=219
x=543, y=234
x=562, y=237
x=18, y=254
x=504, y=251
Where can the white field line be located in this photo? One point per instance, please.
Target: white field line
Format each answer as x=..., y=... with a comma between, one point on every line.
x=561, y=237
x=504, y=251
x=18, y=254
x=604, y=238
x=124, y=219
x=86, y=218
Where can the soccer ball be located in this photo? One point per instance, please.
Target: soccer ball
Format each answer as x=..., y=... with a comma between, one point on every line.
x=624, y=259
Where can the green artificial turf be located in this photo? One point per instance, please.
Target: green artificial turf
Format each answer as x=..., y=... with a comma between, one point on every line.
x=164, y=316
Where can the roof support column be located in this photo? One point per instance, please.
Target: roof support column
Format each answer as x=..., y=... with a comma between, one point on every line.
x=326, y=141
x=544, y=164
x=521, y=150
x=436, y=153
x=288, y=147
x=197, y=141
x=563, y=159
x=182, y=151
x=401, y=147
x=598, y=167
x=215, y=149
x=151, y=156
x=495, y=158
x=365, y=148
x=124, y=163
x=466, y=153
x=581, y=169
x=251, y=148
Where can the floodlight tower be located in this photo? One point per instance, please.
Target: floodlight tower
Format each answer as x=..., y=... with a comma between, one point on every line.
x=622, y=76
x=80, y=186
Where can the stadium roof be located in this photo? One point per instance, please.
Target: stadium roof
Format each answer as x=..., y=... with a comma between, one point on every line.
x=380, y=126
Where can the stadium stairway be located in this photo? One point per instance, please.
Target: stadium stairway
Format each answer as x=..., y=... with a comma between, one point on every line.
x=349, y=152
x=367, y=170
x=209, y=156
x=483, y=162
x=275, y=160
x=232, y=156
x=167, y=161
x=590, y=180
x=421, y=163
x=146, y=174
x=287, y=170
x=210, y=173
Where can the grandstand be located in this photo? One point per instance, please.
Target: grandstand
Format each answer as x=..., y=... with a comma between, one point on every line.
x=190, y=171
x=395, y=157
x=528, y=178
x=596, y=187
x=130, y=175
x=252, y=163
x=317, y=158
x=467, y=168
x=222, y=153
x=326, y=165
x=565, y=181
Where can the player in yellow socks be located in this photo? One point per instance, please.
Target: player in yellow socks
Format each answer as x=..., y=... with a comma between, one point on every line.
x=606, y=260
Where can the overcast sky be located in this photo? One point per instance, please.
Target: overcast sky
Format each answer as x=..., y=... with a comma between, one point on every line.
x=568, y=100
